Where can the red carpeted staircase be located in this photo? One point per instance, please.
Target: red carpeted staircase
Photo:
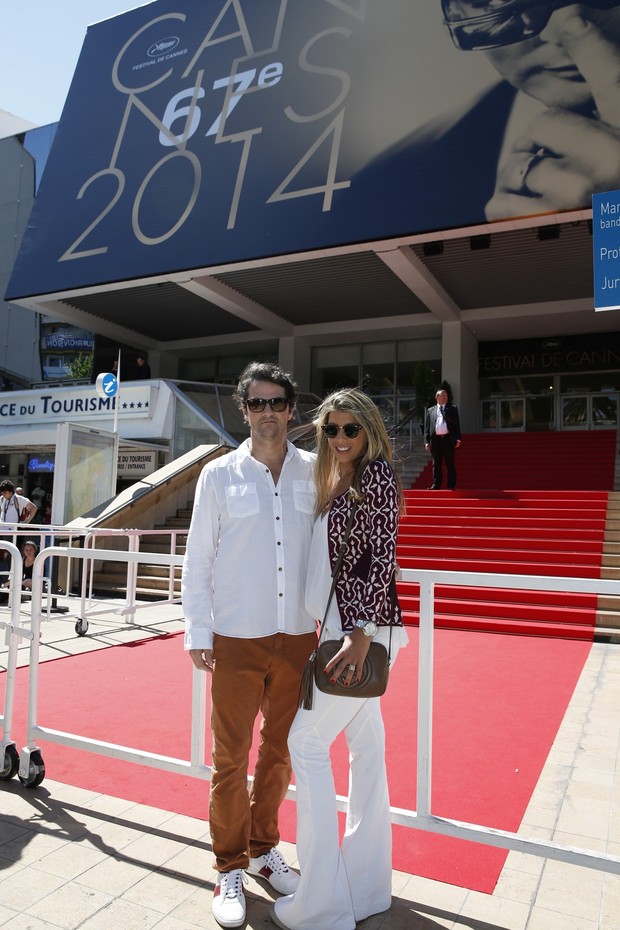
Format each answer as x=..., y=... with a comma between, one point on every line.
x=566, y=461
x=515, y=532
x=553, y=525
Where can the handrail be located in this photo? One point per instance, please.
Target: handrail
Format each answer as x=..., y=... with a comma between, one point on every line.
x=421, y=818
x=14, y=633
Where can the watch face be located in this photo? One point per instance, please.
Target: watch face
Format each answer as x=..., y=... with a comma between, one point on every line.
x=370, y=628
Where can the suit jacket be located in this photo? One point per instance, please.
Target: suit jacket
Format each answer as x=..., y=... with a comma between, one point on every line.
x=450, y=415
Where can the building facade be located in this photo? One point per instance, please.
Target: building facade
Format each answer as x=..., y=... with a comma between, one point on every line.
x=348, y=187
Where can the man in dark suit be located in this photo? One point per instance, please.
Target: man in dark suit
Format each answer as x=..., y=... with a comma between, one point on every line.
x=443, y=435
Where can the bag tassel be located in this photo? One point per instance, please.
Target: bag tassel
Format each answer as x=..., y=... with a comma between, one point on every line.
x=306, y=687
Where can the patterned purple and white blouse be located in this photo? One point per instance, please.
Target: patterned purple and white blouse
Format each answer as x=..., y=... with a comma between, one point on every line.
x=366, y=571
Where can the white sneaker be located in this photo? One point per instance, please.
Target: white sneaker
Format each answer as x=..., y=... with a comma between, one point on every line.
x=228, y=905
x=274, y=869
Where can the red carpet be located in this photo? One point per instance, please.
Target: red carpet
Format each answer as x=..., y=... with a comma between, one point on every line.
x=546, y=460
x=558, y=533
x=498, y=703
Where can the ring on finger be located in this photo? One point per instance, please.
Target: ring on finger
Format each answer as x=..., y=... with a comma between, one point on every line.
x=352, y=668
x=527, y=165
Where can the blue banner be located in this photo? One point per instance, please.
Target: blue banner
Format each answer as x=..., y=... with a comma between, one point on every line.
x=198, y=133
x=606, y=250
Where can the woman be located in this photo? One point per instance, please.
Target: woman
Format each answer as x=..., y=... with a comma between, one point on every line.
x=341, y=886
x=30, y=551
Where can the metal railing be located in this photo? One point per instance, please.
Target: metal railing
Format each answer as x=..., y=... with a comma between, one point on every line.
x=89, y=606
x=420, y=818
x=15, y=633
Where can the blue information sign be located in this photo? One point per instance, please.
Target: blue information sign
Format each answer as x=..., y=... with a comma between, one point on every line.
x=106, y=384
x=606, y=243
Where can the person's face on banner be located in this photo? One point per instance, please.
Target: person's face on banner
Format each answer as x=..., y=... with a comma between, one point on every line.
x=550, y=66
x=545, y=49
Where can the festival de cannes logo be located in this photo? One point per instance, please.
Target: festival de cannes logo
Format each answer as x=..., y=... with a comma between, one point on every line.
x=163, y=46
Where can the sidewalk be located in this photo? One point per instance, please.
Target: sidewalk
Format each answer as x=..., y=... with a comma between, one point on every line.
x=71, y=858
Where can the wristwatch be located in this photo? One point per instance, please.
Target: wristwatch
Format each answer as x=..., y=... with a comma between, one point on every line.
x=369, y=627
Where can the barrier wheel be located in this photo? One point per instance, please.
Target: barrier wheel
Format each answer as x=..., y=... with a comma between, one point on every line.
x=81, y=627
x=11, y=763
x=36, y=771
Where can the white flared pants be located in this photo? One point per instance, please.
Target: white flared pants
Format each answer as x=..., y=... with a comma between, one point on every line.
x=339, y=886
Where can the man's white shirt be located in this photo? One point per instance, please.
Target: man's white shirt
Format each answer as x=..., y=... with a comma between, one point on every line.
x=247, y=549
x=11, y=508
x=441, y=427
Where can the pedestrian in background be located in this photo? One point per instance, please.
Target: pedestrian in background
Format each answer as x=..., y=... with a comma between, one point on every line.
x=443, y=435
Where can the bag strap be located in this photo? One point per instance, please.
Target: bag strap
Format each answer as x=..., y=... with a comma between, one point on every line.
x=392, y=595
x=341, y=554
x=306, y=687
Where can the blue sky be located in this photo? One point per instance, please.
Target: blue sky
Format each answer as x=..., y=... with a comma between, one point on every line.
x=41, y=43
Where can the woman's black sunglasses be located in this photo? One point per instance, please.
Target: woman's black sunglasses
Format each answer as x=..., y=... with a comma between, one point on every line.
x=258, y=404
x=351, y=430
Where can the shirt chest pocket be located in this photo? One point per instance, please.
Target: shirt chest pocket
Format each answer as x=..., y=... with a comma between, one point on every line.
x=303, y=495
x=242, y=500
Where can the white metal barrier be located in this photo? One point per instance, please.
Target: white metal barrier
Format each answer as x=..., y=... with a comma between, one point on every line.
x=134, y=537
x=14, y=634
x=90, y=606
x=32, y=769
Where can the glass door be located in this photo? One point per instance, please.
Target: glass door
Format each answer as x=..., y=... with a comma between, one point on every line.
x=512, y=414
x=590, y=411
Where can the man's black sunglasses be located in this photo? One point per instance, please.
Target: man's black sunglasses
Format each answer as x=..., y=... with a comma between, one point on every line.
x=471, y=28
x=351, y=430
x=258, y=404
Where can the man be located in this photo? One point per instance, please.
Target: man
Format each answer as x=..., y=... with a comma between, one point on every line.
x=443, y=436
x=13, y=507
x=143, y=371
x=243, y=588
x=543, y=139
x=565, y=57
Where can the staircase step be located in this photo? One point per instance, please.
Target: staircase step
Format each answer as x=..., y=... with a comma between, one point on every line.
x=497, y=625
x=142, y=593
x=441, y=533
x=459, y=550
x=163, y=548
x=514, y=567
x=576, y=600
x=508, y=611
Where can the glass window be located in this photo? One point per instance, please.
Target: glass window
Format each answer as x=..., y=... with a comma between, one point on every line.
x=605, y=410
x=536, y=384
x=412, y=351
x=489, y=414
x=335, y=367
x=575, y=412
x=512, y=413
x=590, y=382
x=378, y=368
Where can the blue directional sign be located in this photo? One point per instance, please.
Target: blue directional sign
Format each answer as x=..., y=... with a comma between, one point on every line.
x=606, y=243
x=106, y=384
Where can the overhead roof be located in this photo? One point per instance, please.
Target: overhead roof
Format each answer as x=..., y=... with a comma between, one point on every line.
x=503, y=281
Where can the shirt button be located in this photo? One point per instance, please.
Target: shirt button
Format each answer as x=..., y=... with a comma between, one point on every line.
x=279, y=569
x=280, y=594
x=277, y=518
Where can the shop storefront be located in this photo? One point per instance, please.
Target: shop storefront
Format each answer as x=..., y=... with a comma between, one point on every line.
x=572, y=382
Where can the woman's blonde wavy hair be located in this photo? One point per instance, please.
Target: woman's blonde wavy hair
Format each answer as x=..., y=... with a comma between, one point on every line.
x=365, y=412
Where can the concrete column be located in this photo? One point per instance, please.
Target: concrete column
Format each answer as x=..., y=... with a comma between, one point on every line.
x=459, y=366
x=295, y=356
x=163, y=365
